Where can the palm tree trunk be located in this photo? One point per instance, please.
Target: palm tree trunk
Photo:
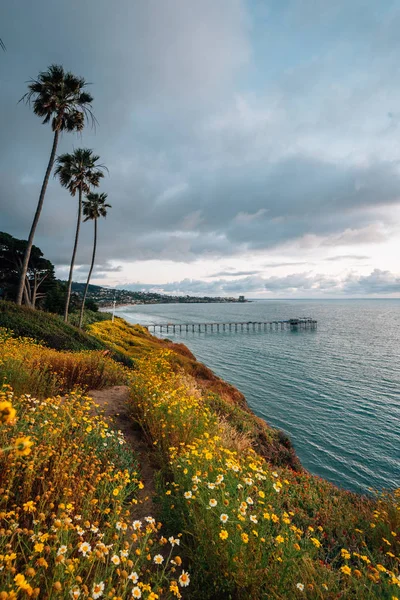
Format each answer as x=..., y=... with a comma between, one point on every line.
x=90, y=274
x=71, y=269
x=27, y=294
x=27, y=254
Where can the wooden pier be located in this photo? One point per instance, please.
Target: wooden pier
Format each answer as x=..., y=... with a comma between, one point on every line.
x=292, y=324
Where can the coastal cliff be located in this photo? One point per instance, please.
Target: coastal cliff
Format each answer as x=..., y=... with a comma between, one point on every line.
x=233, y=514
x=136, y=341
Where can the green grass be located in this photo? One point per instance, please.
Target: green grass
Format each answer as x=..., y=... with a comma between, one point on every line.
x=89, y=317
x=51, y=330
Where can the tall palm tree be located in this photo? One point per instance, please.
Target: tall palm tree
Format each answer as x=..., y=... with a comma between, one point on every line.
x=78, y=172
x=94, y=207
x=58, y=97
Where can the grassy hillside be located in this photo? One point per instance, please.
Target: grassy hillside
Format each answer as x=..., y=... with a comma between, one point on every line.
x=51, y=330
x=69, y=486
x=46, y=327
x=136, y=342
x=254, y=525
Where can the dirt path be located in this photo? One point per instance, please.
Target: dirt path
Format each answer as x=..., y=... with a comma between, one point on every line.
x=114, y=403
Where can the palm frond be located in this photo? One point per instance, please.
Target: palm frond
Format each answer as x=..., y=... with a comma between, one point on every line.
x=2, y=45
x=95, y=206
x=79, y=170
x=59, y=96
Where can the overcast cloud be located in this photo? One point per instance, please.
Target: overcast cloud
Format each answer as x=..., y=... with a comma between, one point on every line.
x=241, y=137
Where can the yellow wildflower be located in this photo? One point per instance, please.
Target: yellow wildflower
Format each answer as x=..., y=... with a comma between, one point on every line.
x=381, y=568
x=174, y=589
x=29, y=506
x=7, y=412
x=22, y=584
x=22, y=446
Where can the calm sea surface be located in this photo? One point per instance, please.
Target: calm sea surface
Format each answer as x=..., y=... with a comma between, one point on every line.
x=335, y=391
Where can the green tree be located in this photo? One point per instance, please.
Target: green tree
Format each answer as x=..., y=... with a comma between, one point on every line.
x=58, y=97
x=78, y=172
x=39, y=276
x=55, y=298
x=94, y=207
x=90, y=304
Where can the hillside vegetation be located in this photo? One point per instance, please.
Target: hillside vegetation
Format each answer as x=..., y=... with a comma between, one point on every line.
x=46, y=327
x=247, y=520
x=254, y=526
x=68, y=485
x=136, y=342
x=51, y=330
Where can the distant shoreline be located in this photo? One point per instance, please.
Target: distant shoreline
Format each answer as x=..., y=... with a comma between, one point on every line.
x=107, y=307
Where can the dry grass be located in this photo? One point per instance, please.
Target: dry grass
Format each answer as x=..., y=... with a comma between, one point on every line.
x=232, y=438
x=28, y=365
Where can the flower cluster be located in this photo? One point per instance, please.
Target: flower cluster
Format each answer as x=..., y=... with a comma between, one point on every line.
x=68, y=487
x=254, y=528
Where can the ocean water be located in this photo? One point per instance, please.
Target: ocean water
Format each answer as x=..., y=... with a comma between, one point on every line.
x=334, y=390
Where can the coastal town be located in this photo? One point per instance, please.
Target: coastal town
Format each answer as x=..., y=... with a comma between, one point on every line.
x=105, y=297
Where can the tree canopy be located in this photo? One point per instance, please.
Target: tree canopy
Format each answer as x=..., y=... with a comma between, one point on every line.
x=40, y=278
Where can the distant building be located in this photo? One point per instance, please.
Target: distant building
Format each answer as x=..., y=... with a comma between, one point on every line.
x=241, y=299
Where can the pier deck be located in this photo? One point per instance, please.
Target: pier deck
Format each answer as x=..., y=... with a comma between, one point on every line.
x=293, y=324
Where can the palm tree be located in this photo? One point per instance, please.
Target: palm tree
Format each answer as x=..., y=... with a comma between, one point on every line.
x=57, y=96
x=94, y=207
x=78, y=172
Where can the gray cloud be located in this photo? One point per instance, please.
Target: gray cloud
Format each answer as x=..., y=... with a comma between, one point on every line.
x=285, y=264
x=379, y=283
x=348, y=257
x=214, y=148
x=233, y=273
x=100, y=271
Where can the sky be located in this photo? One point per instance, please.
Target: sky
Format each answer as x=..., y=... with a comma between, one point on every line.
x=253, y=146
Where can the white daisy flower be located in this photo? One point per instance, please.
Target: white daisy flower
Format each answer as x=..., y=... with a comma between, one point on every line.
x=158, y=559
x=97, y=590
